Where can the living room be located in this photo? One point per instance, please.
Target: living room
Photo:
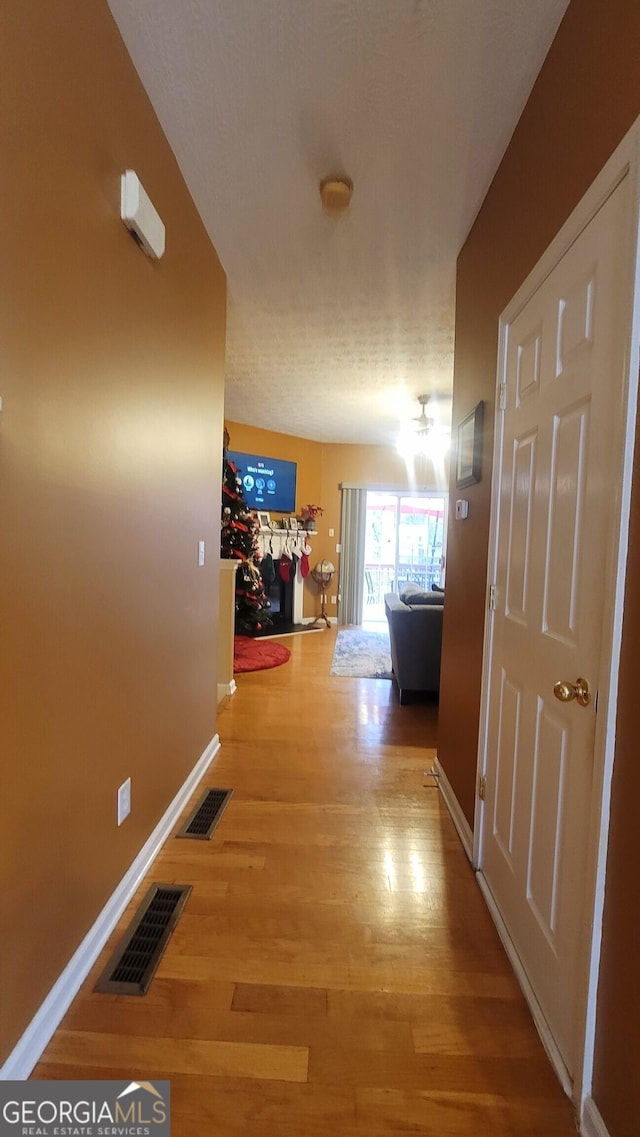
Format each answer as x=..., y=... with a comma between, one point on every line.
x=323, y=468
x=111, y=474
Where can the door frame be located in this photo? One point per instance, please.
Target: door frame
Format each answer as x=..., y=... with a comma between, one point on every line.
x=624, y=162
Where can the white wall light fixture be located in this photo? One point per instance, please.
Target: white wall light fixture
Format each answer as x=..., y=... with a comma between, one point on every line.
x=140, y=216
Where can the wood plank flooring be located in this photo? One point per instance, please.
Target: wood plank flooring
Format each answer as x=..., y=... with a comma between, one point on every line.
x=335, y=970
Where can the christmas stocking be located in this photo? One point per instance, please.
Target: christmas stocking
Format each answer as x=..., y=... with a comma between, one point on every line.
x=285, y=566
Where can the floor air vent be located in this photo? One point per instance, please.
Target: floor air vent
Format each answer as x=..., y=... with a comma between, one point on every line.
x=133, y=963
x=202, y=821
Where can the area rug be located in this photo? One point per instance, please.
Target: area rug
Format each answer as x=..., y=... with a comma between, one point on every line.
x=257, y=655
x=362, y=655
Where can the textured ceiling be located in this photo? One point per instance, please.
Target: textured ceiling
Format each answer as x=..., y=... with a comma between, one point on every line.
x=337, y=325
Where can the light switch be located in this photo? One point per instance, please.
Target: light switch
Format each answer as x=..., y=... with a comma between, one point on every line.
x=462, y=509
x=332, y=532
x=200, y=552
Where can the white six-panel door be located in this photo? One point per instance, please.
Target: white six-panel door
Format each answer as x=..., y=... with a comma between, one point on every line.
x=564, y=380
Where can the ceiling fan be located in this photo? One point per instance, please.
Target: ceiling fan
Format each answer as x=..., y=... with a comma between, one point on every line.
x=426, y=436
x=424, y=421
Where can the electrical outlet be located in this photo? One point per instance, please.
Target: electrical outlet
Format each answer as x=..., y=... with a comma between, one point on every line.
x=124, y=800
x=334, y=599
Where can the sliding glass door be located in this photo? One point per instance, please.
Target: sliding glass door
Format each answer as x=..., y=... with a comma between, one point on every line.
x=404, y=541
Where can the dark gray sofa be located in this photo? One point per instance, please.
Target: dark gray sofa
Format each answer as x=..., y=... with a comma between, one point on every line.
x=415, y=634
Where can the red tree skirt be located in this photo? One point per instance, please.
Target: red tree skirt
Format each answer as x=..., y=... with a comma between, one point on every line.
x=257, y=655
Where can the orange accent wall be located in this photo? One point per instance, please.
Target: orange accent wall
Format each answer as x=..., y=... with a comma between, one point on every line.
x=308, y=456
x=110, y=455
x=585, y=99
x=322, y=469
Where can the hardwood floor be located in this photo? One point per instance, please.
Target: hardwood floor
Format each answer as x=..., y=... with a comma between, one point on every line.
x=335, y=970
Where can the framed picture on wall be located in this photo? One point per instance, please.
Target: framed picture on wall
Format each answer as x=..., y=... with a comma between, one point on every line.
x=469, y=448
x=264, y=521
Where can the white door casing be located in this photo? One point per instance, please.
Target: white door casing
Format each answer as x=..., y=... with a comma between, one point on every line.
x=556, y=536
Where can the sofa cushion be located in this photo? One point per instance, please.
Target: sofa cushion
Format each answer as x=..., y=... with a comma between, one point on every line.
x=429, y=598
x=413, y=594
x=409, y=589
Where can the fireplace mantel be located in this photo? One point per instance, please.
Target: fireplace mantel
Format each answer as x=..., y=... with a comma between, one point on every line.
x=279, y=541
x=283, y=541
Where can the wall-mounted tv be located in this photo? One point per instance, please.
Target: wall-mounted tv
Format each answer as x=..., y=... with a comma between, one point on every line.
x=267, y=483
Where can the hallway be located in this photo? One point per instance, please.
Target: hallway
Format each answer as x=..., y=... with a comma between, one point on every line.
x=335, y=972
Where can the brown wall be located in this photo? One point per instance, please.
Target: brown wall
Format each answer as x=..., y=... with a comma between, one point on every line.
x=322, y=468
x=586, y=97
x=112, y=388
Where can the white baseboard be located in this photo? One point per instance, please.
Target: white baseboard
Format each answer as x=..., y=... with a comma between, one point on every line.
x=28, y=1050
x=591, y=1124
x=534, y=1006
x=453, y=805
x=288, y=635
x=226, y=689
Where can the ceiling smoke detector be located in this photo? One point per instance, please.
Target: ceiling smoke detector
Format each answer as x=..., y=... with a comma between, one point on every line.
x=335, y=194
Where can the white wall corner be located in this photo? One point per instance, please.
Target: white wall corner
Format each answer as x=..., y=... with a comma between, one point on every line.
x=591, y=1123
x=47, y=1018
x=453, y=805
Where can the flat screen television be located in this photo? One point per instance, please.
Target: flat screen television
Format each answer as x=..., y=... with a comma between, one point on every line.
x=267, y=483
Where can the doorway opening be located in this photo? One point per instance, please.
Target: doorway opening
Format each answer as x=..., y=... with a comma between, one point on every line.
x=405, y=538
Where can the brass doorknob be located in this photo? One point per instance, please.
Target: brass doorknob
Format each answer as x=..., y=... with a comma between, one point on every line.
x=579, y=691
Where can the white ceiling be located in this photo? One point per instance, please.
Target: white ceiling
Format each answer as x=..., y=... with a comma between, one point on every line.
x=337, y=325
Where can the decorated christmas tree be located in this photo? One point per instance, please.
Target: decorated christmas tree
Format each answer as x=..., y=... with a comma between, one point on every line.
x=239, y=541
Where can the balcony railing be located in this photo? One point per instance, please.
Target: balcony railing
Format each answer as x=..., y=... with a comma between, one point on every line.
x=381, y=578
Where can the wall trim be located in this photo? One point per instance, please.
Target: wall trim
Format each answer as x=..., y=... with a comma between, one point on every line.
x=453, y=805
x=407, y=489
x=591, y=1123
x=226, y=689
x=46, y=1020
x=536, y=1011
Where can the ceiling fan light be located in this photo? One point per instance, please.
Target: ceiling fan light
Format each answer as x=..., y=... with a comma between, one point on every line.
x=424, y=437
x=407, y=442
x=436, y=442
